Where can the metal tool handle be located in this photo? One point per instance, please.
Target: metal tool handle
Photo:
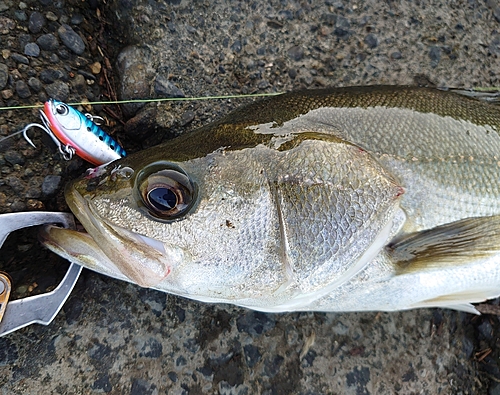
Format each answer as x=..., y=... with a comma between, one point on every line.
x=14, y=221
x=40, y=308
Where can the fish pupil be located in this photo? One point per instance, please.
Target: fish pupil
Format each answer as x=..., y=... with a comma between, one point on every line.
x=162, y=199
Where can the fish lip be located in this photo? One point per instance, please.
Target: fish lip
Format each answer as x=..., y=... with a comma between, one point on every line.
x=112, y=240
x=81, y=208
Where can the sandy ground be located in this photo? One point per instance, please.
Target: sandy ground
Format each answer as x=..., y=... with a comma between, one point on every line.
x=117, y=338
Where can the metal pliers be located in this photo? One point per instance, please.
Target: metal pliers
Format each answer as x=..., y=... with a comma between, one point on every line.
x=40, y=308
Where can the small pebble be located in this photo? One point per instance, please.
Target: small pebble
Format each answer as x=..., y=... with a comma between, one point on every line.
x=435, y=55
x=76, y=19
x=7, y=94
x=371, y=40
x=32, y=49
x=95, y=68
x=187, y=118
x=22, y=89
x=48, y=42
x=4, y=75
x=18, y=205
x=53, y=58
x=165, y=88
x=51, y=16
x=19, y=58
x=296, y=53
x=22, y=289
x=79, y=83
x=36, y=23
x=21, y=15
x=16, y=184
x=396, y=55
x=263, y=84
x=50, y=184
x=236, y=47
x=48, y=76
x=86, y=74
x=63, y=53
x=6, y=25
x=24, y=39
x=14, y=158
x=58, y=90
x=35, y=84
x=71, y=39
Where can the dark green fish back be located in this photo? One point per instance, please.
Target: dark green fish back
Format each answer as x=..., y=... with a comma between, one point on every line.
x=282, y=108
x=233, y=132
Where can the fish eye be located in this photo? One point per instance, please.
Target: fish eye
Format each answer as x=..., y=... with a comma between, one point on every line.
x=62, y=109
x=167, y=194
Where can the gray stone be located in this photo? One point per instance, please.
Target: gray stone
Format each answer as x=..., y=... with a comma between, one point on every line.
x=4, y=75
x=21, y=15
x=236, y=46
x=36, y=23
x=32, y=49
x=165, y=88
x=50, y=184
x=48, y=76
x=22, y=89
x=19, y=58
x=79, y=83
x=6, y=25
x=76, y=19
x=24, y=39
x=396, y=55
x=58, y=90
x=435, y=55
x=134, y=65
x=187, y=118
x=16, y=184
x=35, y=84
x=71, y=39
x=296, y=52
x=14, y=158
x=48, y=42
x=371, y=40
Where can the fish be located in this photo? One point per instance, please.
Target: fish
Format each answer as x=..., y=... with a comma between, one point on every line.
x=377, y=198
x=75, y=133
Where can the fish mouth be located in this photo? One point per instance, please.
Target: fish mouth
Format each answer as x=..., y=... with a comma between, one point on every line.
x=106, y=247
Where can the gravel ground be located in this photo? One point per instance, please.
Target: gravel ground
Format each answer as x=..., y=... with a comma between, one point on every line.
x=117, y=338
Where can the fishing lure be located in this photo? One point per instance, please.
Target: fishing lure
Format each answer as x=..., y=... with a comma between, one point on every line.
x=76, y=133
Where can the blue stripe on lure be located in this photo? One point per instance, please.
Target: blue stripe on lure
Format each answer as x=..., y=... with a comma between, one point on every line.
x=76, y=133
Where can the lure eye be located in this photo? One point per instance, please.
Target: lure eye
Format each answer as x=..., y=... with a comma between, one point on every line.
x=168, y=194
x=62, y=109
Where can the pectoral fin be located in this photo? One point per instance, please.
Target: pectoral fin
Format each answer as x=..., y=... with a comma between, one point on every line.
x=438, y=251
x=454, y=244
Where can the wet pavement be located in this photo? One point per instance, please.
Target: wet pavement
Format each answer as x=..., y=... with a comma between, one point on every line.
x=114, y=337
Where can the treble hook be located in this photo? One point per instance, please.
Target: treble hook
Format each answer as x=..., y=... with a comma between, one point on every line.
x=66, y=151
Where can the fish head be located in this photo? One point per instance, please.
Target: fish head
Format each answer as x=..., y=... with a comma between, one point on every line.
x=151, y=215
x=253, y=220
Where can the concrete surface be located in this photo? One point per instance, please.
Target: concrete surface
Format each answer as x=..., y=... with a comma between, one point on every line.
x=117, y=338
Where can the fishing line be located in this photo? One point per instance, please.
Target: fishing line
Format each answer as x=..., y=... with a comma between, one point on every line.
x=158, y=100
